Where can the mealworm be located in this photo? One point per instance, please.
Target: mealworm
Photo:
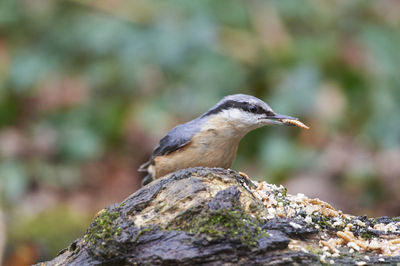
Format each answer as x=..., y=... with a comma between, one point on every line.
x=295, y=123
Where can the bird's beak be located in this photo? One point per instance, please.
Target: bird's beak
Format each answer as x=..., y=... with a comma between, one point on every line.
x=288, y=120
x=281, y=117
x=278, y=119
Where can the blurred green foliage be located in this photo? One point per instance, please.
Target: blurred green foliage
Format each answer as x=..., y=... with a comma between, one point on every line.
x=53, y=230
x=83, y=81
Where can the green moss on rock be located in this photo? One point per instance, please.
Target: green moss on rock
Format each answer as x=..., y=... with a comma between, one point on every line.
x=226, y=224
x=103, y=228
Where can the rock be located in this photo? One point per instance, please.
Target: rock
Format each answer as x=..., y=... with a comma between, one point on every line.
x=212, y=216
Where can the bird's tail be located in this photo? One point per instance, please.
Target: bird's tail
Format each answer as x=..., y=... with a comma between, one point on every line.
x=148, y=178
x=143, y=167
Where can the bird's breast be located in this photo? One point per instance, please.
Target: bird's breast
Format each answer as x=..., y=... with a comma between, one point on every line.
x=211, y=147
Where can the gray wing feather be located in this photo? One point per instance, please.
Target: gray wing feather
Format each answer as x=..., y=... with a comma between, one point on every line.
x=175, y=139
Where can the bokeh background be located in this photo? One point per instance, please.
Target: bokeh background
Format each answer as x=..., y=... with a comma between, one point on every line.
x=87, y=88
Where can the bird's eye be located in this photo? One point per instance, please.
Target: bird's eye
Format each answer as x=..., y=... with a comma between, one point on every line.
x=253, y=109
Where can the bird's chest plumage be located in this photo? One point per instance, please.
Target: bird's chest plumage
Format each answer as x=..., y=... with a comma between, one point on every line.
x=214, y=146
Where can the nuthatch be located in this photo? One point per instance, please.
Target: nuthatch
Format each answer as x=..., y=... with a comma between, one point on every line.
x=212, y=139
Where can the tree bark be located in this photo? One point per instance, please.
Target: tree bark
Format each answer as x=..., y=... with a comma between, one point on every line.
x=212, y=216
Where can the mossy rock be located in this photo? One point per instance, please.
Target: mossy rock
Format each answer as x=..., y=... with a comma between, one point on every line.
x=209, y=216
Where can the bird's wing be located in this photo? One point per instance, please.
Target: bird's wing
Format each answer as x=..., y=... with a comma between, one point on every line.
x=175, y=139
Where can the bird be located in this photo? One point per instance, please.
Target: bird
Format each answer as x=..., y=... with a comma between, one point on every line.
x=212, y=139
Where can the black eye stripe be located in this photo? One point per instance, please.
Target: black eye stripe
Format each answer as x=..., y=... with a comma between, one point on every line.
x=245, y=106
x=270, y=113
x=255, y=109
x=258, y=110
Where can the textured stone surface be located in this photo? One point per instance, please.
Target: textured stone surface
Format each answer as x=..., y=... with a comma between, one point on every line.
x=210, y=217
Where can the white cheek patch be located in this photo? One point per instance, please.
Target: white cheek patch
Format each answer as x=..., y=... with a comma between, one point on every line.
x=236, y=115
x=237, y=120
x=242, y=118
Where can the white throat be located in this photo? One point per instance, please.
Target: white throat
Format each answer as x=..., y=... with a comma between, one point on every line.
x=240, y=120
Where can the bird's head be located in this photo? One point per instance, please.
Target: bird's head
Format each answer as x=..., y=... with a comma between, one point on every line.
x=247, y=111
